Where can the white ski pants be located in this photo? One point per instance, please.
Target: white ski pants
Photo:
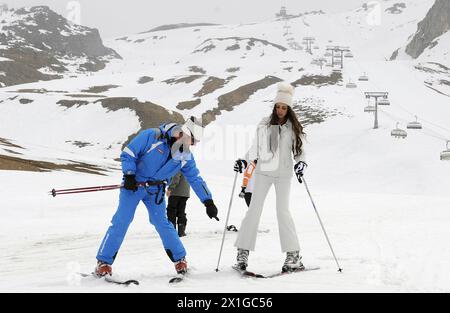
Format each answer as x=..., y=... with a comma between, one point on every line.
x=249, y=229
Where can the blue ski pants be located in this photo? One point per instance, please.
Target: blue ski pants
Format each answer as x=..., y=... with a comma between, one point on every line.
x=128, y=201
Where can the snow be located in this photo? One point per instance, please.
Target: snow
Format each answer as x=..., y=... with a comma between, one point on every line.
x=384, y=242
x=46, y=70
x=65, y=33
x=47, y=46
x=384, y=202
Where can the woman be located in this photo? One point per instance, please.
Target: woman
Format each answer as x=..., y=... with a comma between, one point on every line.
x=278, y=140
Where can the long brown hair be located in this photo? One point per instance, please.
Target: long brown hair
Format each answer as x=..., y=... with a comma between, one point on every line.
x=296, y=127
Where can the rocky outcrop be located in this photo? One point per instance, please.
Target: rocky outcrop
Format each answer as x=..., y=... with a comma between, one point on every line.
x=228, y=101
x=145, y=79
x=319, y=80
x=235, y=43
x=210, y=85
x=149, y=114
x=435, y=23
x=396, y=8
x=188, y=105
x=39, y=44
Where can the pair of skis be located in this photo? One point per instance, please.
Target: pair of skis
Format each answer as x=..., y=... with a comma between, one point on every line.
x=112, y=280
x=109, y=279
x=180, y=277
x=245, y=273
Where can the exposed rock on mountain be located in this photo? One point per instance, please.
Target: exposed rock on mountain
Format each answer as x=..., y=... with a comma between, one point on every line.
x=435, y=23
x=38, y=44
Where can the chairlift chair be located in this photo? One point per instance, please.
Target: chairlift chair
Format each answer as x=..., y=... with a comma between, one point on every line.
x=445, y=155
x=348, y=55
x=384, y=102
x=350, y=85
x=369, y=109
x=399, y=133
x=363, y=78
x=414, y=125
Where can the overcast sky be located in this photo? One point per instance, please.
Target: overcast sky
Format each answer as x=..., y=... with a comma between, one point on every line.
x=117, y=18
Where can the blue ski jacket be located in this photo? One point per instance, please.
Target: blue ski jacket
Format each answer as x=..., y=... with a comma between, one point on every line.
x=149, y=157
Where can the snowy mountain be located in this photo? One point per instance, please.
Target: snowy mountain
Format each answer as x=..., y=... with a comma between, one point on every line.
x=38, y=44
x=384, y=200
x=174, y=72
x=435, y=24
x=429, y=46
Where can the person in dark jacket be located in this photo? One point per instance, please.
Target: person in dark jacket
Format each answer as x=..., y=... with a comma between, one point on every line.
x=178, y=194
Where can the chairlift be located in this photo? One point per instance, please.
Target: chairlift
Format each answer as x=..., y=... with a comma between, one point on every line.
x=363, y=78
x=384, y=102
x=399, y=133
x=414, y=125
x=369, y=109
x=348, y=55
x=445, y=155
x=350, y=85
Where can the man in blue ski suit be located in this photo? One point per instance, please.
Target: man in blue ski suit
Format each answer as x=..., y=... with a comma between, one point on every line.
x=149, y=161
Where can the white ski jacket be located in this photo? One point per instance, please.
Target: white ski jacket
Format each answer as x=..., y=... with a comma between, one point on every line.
x=272, y=146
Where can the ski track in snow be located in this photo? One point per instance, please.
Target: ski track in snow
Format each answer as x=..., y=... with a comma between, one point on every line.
x=394, y=247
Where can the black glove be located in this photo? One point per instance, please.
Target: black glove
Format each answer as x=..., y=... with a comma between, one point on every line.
x=299, y=168
x=240, y=165
x=232, y=228
x=211, y=209
x=130, y=183
x=242, y=193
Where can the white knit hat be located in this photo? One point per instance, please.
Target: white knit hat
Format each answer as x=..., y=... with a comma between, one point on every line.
x=284, y=94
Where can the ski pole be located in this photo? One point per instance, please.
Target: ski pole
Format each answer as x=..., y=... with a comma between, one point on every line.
x=226, y=222
x=55, y=192
x=85, y=188
x=321, y=224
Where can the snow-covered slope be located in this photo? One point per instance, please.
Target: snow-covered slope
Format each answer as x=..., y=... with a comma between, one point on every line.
x=384, y=201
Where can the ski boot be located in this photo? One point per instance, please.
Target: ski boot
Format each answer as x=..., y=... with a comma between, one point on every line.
x=242, y=259
x=181, y=230
x=293, y=262
x=103, y=269
x=181, y=266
